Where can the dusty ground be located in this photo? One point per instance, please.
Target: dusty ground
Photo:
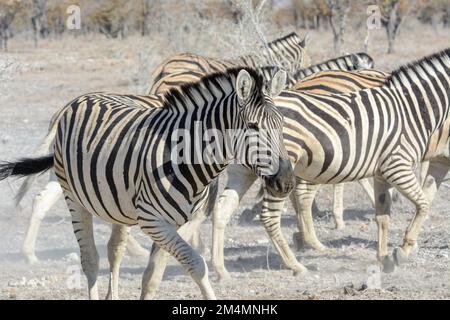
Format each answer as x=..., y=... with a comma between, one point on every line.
x=58, y=71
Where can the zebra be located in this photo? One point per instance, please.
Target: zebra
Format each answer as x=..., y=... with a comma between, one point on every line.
x=109, y=145
x=187, y=67
x=240, y=179
x=177, y=71
x=52, y=191
x=382, y=132
x=290, y=49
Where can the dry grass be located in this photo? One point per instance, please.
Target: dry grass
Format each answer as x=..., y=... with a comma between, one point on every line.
x=60, y=70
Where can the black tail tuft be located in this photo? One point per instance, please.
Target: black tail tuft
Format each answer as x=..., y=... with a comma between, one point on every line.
x=25, y=167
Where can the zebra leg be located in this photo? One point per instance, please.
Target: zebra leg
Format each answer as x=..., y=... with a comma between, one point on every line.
x=437, y=170
x=197, y=243
x=303, y=197
x=116, y=249
x=84, y=232
x=173, y=242
x=338, y=206
x=43, y=201
x=134, y=249
x=424, y=166
x=401, y=175
x=154, y=272
x=383, y=211
x=239, y=181
x=367, y=187
x=271, y=219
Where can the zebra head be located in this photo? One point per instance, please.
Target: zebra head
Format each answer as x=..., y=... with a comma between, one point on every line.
x=260, y=145
x=289, y=52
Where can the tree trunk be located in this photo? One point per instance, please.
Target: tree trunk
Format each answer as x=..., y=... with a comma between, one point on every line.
x=391, y=43
x=339, y=10
x=7, y=15
x=392, y=21
x=39, y=19
x=145, y=17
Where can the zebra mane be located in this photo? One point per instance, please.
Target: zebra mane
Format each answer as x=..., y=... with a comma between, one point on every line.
x=325, y=65
x=185, y=92
x=418, y=65
x=293, y=35
x=346, y=58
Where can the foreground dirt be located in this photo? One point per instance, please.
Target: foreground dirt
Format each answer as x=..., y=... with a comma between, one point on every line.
x=59, y=71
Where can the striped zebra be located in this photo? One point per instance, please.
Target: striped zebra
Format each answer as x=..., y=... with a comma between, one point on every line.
x=240, y=179
x=382, y=132
x=290, y=51
x=114, y=159
x=175, y=72
x=186, y=67
x=52, y=191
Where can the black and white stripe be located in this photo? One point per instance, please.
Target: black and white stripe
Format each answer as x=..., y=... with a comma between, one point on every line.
x=113, y=157
x=382, y=132
x=240, y=180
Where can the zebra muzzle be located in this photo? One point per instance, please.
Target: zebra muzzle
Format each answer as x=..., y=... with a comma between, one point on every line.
x=281, y=183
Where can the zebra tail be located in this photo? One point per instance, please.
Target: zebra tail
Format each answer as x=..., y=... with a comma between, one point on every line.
x=25, y=167
x=43, y=149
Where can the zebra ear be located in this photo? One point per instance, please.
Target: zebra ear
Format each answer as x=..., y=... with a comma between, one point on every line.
x=244, y=83
x=278, y=82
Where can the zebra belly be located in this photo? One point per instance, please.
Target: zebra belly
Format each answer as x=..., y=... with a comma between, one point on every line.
x=98, y=184
x=105, y=207
x=331, y=171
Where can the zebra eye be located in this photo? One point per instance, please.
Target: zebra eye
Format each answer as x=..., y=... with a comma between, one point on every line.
x=253, y=126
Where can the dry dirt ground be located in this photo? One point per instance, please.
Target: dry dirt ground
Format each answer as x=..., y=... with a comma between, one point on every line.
x=58, y=71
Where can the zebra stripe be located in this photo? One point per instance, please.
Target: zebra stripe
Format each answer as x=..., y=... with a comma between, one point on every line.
x=382, y=132
x=299, y=149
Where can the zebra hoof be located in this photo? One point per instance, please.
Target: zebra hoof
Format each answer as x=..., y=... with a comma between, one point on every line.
x=399, y=256
x=31, y=259
x=300, y=244
x=223, y=276
x=299, y=271
x=388, y=265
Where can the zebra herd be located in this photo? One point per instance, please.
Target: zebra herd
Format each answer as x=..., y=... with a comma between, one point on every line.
x=336, y=122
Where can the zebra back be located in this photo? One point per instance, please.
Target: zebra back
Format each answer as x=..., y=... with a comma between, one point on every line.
x=334, y=81
x=349, y=62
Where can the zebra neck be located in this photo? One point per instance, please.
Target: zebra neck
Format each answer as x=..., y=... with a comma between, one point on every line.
x=203, y=133
x=426, y=92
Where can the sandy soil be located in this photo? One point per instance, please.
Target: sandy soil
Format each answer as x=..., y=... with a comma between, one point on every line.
x=58, y=71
